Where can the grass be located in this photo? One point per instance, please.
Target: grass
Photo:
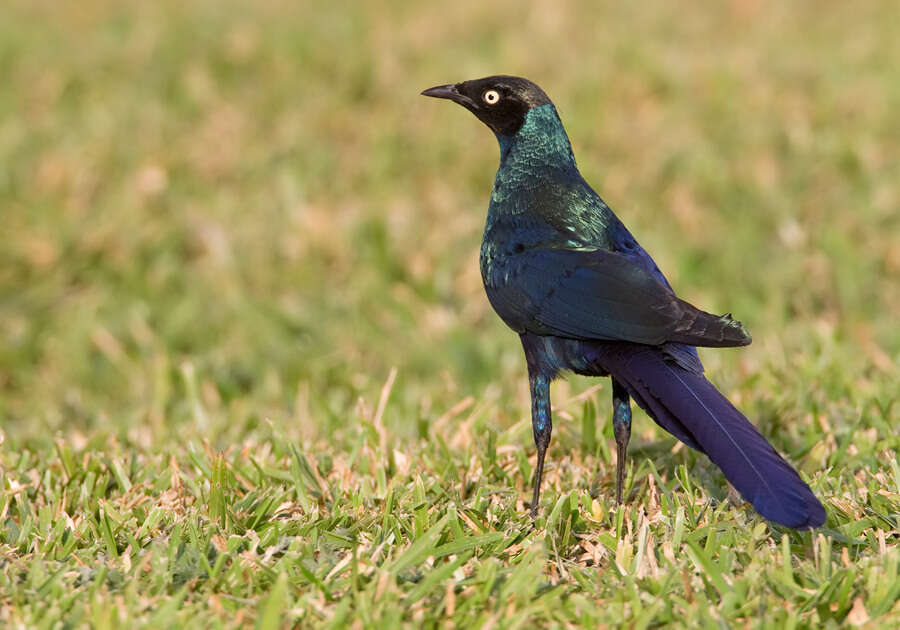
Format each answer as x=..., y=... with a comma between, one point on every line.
x=248, y=374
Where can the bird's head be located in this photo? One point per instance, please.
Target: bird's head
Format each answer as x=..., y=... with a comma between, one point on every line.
x=500, y=102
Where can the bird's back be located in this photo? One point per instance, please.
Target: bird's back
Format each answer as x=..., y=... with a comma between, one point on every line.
x=541, y=201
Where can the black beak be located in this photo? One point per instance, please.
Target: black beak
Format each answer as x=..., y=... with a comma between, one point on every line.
x=449, y=92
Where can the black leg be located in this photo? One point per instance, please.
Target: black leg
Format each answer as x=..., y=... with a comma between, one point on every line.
x=622, y=430
x=541, y=425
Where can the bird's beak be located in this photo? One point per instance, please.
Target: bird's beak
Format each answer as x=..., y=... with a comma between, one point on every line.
x=449, y=92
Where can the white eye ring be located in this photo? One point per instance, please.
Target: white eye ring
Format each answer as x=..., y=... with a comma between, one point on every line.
x=491, y=97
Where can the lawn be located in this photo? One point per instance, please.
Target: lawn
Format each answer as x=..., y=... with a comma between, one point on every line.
x=249, y=376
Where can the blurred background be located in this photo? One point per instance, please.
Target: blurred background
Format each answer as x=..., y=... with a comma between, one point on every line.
x=217, y=214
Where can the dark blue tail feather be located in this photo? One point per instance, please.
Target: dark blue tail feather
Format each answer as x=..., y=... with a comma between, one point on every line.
x=691, y=408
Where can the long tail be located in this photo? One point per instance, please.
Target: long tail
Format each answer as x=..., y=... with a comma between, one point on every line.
x=688, y=406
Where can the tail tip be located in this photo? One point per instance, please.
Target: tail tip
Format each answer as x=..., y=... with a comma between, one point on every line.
x=811, y=515
x=817, y=516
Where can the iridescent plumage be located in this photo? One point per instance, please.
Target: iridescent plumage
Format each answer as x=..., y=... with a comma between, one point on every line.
x=563, y=271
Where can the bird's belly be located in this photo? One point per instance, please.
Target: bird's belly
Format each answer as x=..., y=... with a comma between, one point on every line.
x=512, y=304
x=555, y=355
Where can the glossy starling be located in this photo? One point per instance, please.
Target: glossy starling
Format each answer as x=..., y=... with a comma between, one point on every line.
x=563, y=271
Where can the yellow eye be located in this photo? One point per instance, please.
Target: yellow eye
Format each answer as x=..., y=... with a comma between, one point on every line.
x=491, y=97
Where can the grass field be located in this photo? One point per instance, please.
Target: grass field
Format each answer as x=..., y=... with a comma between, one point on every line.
x=248, y=374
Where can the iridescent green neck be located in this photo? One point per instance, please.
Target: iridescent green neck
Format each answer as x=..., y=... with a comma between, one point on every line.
x=536, y=157
x=542, y=140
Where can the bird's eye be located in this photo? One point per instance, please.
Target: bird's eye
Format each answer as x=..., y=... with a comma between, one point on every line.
x=491, y=97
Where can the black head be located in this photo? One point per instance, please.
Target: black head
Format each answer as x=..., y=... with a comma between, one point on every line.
x=500, y=102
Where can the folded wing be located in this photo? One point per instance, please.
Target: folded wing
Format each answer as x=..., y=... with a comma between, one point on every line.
x=596, y=294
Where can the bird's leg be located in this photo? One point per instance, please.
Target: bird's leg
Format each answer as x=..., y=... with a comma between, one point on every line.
x=622, y=430
x=541, y=425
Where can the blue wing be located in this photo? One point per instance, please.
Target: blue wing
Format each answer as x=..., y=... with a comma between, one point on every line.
x=627, y=245
x=599, y=295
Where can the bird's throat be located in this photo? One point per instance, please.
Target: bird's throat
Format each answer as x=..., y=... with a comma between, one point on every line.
x=540, y=142
x=535, y=157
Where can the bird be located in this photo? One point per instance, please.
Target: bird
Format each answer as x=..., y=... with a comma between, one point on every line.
x=562, y=271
